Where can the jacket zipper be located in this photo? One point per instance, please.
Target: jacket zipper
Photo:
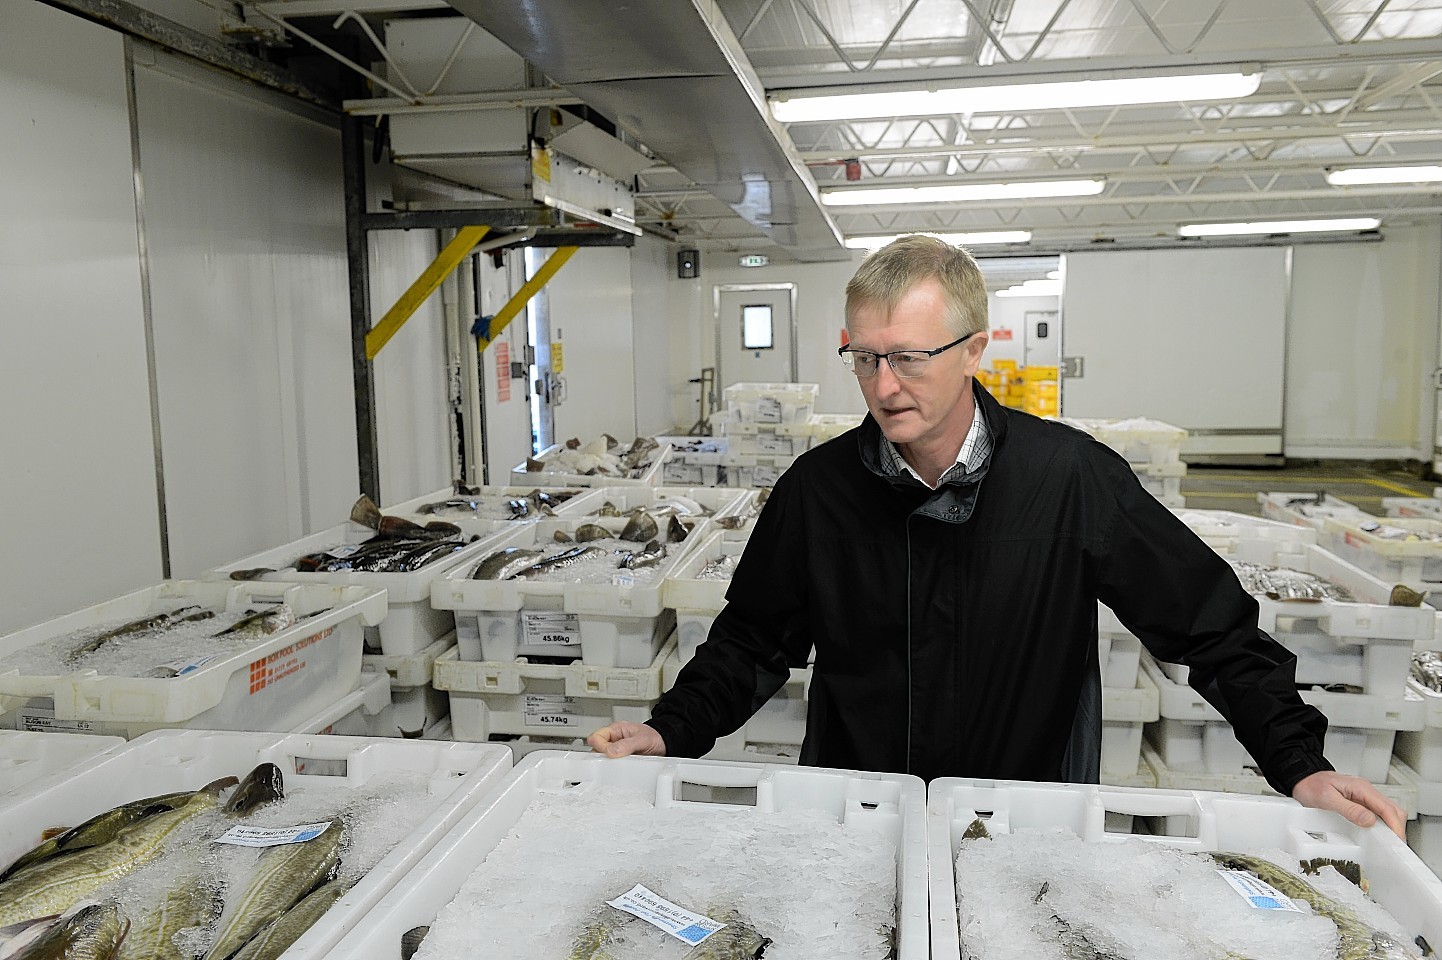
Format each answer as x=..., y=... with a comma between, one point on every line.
x=908, y=643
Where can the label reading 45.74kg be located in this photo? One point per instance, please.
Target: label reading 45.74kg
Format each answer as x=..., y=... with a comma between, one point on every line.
x=550, y=710
x=551, y=629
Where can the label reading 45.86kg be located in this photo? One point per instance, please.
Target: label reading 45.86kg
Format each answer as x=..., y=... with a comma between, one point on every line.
x=550, y=710
x=551, y=629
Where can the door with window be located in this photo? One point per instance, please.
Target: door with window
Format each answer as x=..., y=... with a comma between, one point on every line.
x=755, y=333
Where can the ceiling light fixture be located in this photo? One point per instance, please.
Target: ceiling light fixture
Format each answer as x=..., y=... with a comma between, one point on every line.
x=1418, y=173
x=961, y=192
x=955, y=239
x=802, y=107
x=1278, y=226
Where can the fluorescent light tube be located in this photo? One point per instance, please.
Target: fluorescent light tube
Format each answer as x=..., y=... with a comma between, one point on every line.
x=1015, y=97
x=956, y=239
x=961, y=192
x=1418, y=173
x=1277, y=226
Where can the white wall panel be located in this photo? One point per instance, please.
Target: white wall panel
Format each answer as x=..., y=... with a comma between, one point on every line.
x=508, y=421
x=1361, y=347
x=78, y=472
x=245, y=231
x=652, y=264
x=410, y=373
x=591, y=315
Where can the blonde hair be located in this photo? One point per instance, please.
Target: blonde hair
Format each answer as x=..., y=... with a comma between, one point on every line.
x=888, y=274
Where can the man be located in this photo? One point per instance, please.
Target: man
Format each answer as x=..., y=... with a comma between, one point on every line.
x=945, y=559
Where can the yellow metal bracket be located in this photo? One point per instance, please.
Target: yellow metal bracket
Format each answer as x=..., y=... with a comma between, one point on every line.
x=447, y=260
x=523, y=296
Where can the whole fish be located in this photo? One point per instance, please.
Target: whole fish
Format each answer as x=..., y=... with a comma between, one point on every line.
x=641, y=447
x=251, y=573
x=282, y=876
x=366, y=513
x=560, y=561
x=608, y=509
x=93, y=932
x=262, y=786
x=261, y=623
x=1356, y=939
x=650, y=555
x=430, y=553
x=55, y=885
x=505, y=562
x=145, y=625
x=194, y=901
x=99, y=829
x=733, y=522
x=411, y=941
x=277, y=936
x=520, y=508
x=640, y=527
x=1427, y=670
x=587, y=532
x=453, y=505
x=601, y=931
x=561, y=536
x=676, y=531
x=738, y=940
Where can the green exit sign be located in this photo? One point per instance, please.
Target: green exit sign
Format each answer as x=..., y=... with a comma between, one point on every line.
x=754, y=260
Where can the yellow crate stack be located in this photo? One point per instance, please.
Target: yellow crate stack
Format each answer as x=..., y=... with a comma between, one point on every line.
x=1040, y=390
x=1004, y=382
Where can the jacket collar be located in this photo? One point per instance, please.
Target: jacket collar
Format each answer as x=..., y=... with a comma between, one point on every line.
x=955, y=499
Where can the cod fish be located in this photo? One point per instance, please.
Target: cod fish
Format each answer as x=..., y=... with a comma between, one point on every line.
x=93, y=932
x=587, y=532
x=194, y=901
x=262, y=786
x=261, y=623
x=366, y=513
x=150, y=624
x=276, y=937
x=640, y=527
x=649, y=555
x=601, y=931
x=101, y=828
x=560, y=561
x=282, y=876
x=1356, y=940
x=504, y=563
x=738, y=940
x=55, y=885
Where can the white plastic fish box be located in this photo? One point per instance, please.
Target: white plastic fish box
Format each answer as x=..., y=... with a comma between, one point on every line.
x=829, y=426
x=1422, y=749
x=411, y=624
x=1222, y=530
x=646, y=475
x=1362, y=540
x=29, y=760
x=1426, y=508
x=1162, y=480
x=719, y=501
x=892, y=804
x=492, y=500
x=768, y=439
x=781, y=719
x=414, y=669
x=1365, y=643
x=682, y=470
x=695, y=601
x=1124, y=714
x=1424, y=836
x=789, y=403
x=517, y=698
x=617, y=624
x=748, y=508
x=1118, y=651
x=1192, y=737
x=462, y=777
x=353, y=715
x=1140, y=440
x=1251, y=783
x=1397, y=879
x=276, y=683
x=1300, y=509
x=756, y=471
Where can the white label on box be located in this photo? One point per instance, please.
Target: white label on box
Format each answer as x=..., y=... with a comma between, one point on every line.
x=688, y=927
x=1262, y=896
x=550, y=710
x=551, y=629
x=271, y=836
x=763, y=476
x=343, y=551
x=183, y=667
x=768, y=410
x=37, y=720
x=682, y=473
x=772, y=443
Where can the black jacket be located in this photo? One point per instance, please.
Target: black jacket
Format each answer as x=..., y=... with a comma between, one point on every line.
x=956, y=630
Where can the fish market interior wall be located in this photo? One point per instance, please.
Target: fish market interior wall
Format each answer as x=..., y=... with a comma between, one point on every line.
x=652, y=264
x=1010, y=313
x=78, y=471
x=508, y=420
x=593, y=316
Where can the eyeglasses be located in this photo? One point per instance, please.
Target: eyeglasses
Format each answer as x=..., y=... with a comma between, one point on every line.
x=906, y=364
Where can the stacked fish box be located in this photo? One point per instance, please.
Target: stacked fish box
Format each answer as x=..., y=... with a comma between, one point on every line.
x=1405, y=550
x=1153, y=449
x=829, y=426
x=1307, y=509
x=415, y=704
x=1427, y=508
x=695, y=461
x=767, y=426
x=603, y=462
x=1035, y=869
x=193, y=654
x=1419, y=761
x=1223, y=530
x=1353, y=650
x=398, y=801
x=570, y=833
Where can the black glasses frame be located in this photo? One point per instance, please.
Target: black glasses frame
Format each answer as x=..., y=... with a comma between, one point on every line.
x=843, y=351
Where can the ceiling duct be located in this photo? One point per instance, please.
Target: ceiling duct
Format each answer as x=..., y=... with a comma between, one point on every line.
x=671, y=73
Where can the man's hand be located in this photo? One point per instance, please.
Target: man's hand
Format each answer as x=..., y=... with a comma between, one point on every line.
x=1352, y=797
x=624, y=739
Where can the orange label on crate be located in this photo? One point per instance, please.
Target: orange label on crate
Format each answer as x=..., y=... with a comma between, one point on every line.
x=1355, y=541
x=283, y=663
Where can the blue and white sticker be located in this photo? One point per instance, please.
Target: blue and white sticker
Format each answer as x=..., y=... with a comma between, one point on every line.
x=1261, y=895
x=688, y=927
x=183, y=668
x=272, y=836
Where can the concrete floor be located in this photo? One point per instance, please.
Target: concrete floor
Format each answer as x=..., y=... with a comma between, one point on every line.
x=1236, y=489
